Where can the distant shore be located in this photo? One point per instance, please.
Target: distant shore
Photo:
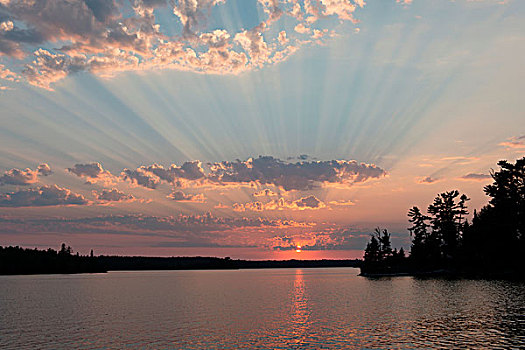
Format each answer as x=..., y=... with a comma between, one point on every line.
x=20, y=261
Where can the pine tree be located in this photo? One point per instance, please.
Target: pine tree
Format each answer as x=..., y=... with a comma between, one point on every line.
x=419, y=233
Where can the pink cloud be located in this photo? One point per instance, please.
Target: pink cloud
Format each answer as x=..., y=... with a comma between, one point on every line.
x=514, y=143
x=93, y=173
x=24, y=177
x=105, y=38
x=305, y=203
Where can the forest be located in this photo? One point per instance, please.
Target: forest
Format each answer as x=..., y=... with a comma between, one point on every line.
x=445, y=242
x=23, y=261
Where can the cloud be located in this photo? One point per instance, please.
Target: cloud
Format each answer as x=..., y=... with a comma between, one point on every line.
x=294, y=176
x=92, y=173
x=180, y=196
x=341, y=8
x=188, y=171
x=301, y=28
x=265, y=193
x=341, y=203
x=141, y=177
x=253, y=43
x=331, y=238
x=44, y=169
x=24, y=177
x=476, y=177
x=7, y=74
x=41, y=196
x=113, y=195
x=302, y=176
x=51, y=39
x=427, y=180
x=143, y=224
x=514, y=143
x=309, y=202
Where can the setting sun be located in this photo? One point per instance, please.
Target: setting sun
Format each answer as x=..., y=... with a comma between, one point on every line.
x=298, y=249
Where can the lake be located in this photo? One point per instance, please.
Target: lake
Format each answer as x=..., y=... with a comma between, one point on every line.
x=329, y=308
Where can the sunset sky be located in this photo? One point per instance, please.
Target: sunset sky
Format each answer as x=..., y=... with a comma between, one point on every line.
x=245, y=128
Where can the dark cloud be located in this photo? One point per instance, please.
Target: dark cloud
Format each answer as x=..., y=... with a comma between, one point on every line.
x=41, y=196
x=309, y=202
x=476, y=177
x=92, y=172
x=24, y=177
x=113, y=195
x=188, y=171
x=150, y=3
x=266, y=170
x=141, y=177
x=102, y=9
x=427, y=180
x=180, y=196
x=44, y=169
x=293, y=176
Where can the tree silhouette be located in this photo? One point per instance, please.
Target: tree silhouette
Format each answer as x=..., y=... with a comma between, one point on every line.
x=508, y=197
x=385, y=247
x=379, y=256
x=447, y=220
x=496, y=238
x=372, y=251
x=420, y=249
x=443, y=239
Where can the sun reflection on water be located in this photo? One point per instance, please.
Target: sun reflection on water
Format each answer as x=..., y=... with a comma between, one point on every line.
x=300, y=320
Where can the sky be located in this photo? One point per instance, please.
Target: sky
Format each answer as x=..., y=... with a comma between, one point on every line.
x=247, y=128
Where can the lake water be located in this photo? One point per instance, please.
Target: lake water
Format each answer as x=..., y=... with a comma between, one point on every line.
x=258, y=309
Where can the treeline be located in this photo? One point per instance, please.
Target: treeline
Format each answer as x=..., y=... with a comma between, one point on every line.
x=122, y=263
x=20, y=261
x=444, y=241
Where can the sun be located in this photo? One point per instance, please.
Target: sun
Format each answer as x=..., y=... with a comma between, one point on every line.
x=298, y=249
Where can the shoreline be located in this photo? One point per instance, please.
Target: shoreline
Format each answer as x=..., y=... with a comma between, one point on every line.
x=104, y=264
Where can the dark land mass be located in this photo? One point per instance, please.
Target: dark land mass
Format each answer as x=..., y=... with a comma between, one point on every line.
x=123, y=263
x=19, y=261
x=444, y=243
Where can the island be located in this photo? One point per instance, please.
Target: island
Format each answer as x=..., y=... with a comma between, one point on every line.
x=445, y=243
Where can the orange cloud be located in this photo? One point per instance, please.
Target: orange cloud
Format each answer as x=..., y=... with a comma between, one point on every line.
x=24, y=177
x=93, y=173
x=305, y=203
